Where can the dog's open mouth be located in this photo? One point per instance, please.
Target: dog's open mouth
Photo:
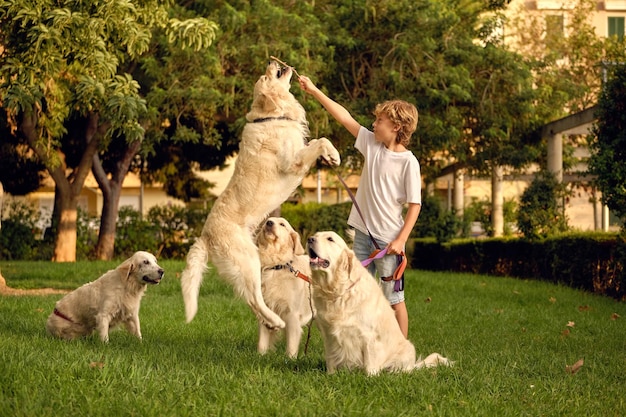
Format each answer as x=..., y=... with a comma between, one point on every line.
x=149, y=280
x=316, y=261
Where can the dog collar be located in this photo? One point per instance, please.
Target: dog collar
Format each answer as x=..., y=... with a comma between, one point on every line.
x=268, y=119
x=292, y=270
x=63, y=316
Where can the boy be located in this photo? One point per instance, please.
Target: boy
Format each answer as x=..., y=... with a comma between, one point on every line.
x=390, y=178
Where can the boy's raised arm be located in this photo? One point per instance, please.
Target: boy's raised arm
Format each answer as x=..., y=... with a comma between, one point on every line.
x=339, y=113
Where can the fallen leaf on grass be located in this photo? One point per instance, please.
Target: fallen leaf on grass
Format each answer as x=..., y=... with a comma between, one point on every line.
x=552, y=300
x=428, y=300
x=584, y=308
x=570, y=324
x=614, y=316
x=572, y=369
x=97, y=364
x=565, y=332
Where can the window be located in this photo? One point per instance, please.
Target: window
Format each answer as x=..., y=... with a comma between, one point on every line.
x=616, y=27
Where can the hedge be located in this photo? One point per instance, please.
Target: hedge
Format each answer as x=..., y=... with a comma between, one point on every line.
x=589, y=261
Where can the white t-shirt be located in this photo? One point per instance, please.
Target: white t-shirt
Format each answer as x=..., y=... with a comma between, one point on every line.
x=389, y=181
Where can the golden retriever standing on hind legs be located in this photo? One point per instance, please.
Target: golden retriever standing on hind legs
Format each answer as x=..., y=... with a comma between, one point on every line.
x=284, y=282
x=273, y=159
x=357, y=323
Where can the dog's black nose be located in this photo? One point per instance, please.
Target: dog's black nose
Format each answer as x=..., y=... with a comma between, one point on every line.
x=311, y=240
x=161, y=272
x=269, y=223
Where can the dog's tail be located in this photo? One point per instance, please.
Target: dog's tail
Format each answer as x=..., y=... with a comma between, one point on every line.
x=191, y=278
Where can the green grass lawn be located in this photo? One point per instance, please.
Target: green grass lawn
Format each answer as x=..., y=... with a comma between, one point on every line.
x=511, y=340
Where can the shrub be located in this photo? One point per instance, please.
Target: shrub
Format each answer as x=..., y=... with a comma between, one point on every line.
x=177, y=228
x=86, y=235
x=590, y=261
x=134, y=233
x=541, y=212
x=435, y=221
x=19, y=229
x=480, y=211
x=309, y=218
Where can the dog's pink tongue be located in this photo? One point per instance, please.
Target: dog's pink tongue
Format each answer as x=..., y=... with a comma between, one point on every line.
x=319, y=262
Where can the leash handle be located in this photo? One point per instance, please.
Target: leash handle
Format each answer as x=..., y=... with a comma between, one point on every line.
x=377, y=254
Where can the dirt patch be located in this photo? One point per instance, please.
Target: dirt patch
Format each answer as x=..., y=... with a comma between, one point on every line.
x=4, y=290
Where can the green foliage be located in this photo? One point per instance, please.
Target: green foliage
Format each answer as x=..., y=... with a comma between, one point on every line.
x=480, y=211
x=16, y=240
x=68, y=64
x=177, y=228
x=435, y=221
x=18, y=231
x=565, y=54
x=609, y=149
x=135, y=233
x=86, y=235
x=199, y=100
x=310, y=218
x=541, y=210
x=167, y=231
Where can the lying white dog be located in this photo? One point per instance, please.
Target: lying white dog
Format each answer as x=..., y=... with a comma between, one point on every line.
x=357, y=323
x=284, y=283
x=272, y=161
x=110, y=300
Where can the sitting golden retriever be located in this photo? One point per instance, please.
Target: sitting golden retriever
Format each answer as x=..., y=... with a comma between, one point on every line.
x=355, y=319
x=273, y=159
x=284, y=283
x=110, y=300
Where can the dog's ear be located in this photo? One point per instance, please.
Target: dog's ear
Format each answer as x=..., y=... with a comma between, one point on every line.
x=351, y=259
x=298, y=249
x=259, y=238
x=126, y=267
x=344, y=261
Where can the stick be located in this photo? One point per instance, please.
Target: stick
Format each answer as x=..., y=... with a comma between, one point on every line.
x=285, y=64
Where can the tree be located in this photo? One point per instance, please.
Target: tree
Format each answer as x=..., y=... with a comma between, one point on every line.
x=609, y=148
x=541, y=212
x=60, y=68
x=567, y=55
x=499, y=121
x=178, y=103
x=411, y=50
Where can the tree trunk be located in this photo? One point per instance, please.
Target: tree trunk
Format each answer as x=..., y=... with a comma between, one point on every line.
x=497, y=201
x=1, y=202
x=458, y=203
x=65, y=241
x=111, y=192
x=105, y=247
x=67, y=187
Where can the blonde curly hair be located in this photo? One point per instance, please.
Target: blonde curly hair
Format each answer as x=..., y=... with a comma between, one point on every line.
x=401, y=113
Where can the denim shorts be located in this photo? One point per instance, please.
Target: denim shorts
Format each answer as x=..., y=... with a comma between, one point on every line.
x=384, y=266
